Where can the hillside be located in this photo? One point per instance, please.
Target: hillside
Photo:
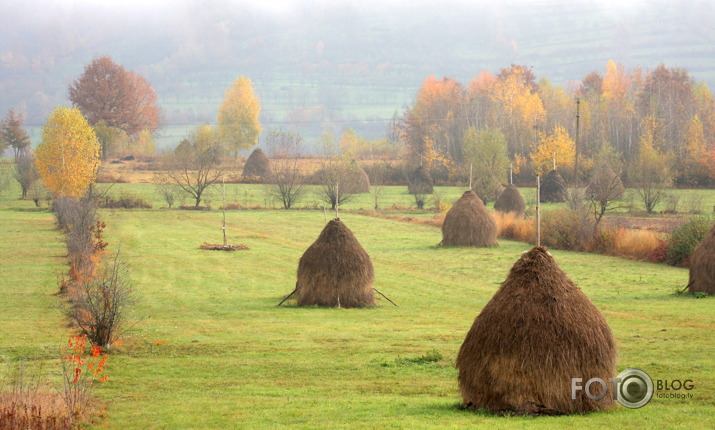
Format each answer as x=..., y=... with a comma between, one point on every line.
x=323, y=64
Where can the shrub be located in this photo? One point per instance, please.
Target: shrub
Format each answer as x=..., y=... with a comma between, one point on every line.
x=77, y=217
x=511, y=225
x=686, y=238
x=99, y=306
x=566, y=229
x=124, y=200
x=80, y=367
x=638, y=244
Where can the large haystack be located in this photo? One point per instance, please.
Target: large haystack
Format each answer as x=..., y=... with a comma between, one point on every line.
x=553, y=188
x=702, y=266
x=335, y=271
x=420, y=181
x=510, y=200
x=257, y=165
x=536, y=333
x=469, y=223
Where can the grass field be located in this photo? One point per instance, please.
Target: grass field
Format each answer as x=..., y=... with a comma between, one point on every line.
x=213, y=351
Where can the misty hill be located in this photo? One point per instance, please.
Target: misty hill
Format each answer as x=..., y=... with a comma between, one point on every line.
x=332, y=65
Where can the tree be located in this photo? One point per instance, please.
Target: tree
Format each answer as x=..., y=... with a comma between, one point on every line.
x=195, y=165
x=650, y=174
x=486, y=151
x=123, y=99
x=25, y=171
x=238, y=124
x=694, y=168
x=557, y=147
x=111, y=138
x=286, y=177
x=605, y=186
x=68, y=155
x=12, y=134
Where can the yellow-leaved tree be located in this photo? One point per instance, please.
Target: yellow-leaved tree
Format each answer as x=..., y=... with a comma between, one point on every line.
x=238, y=124
x=555, y=148
x=68, y=156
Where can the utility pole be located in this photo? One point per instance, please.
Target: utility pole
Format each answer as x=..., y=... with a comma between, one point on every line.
x=578, y=106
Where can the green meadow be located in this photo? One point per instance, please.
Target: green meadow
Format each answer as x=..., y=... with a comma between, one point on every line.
x=212, y=350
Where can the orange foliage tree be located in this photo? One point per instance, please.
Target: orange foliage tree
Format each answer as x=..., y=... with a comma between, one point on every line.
x=556, y=147
x=68, y=155
x=122, y=99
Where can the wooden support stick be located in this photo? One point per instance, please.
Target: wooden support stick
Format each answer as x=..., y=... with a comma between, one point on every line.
x=386, y=298
x=289, y=295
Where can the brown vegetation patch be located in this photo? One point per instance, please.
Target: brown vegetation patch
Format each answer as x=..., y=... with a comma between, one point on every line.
x=221, y=247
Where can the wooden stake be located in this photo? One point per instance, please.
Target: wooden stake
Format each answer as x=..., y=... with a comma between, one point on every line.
x=325, y=214
x=223, y=185
x=337, y=200
x=554, y=160
x=538, y=210
x=470, y=176
x=386, y=298
x=511, y=173
x=289, y=295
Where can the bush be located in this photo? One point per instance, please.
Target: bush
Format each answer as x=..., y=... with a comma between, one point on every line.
x=511, y=225
x=567, y=229
x=124, y=200
x=686, y=238
x=77, y=217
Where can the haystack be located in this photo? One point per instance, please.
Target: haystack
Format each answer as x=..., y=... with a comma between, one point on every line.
x=469, y=223
x=702, y=266
x=536, y=333
x=335, y=271
x=553, y=188
x=356, y=180
x=420, y=182
x=510, y=200
x=257, y=165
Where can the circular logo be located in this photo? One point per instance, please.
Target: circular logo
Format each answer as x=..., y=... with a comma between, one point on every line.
x=635, y=388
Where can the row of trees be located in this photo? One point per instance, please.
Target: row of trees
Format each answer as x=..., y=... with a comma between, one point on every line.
x=663, y=108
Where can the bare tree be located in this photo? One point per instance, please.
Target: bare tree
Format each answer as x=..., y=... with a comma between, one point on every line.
x=651, y=176
x=25, y=171
x=287, y=184
x=100, y=305
x=378, y=177
x=196, y=164
x=603, y=193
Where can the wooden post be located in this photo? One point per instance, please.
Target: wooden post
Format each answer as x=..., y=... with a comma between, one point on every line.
x=223, y=185
x=511, y=173
x=554, y=160
x=470, y=176
x=325, y=214
x=337, y=200
x=538, y=210
x=578, y=108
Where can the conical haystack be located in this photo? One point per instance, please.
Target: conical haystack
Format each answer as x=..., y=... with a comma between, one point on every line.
x=356, y=180
x=420, y=182
x=469, y=223
x=257, y=165
x=702, y=266
x=335, y=271
x=553, y=188
x=510, y=200
x=536, y=333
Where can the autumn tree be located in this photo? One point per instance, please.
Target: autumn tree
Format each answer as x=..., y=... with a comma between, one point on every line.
x=694, y=168
x=238, y=124
x=486, y=151
x=67, y=158
x=650, y=174
x=12, y=133
x=286, y=182
x=556, y=147
x=195, y=165
x=123, y=99
x=26, y=173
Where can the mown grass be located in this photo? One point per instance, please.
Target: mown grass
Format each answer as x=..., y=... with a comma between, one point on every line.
x=213, y=351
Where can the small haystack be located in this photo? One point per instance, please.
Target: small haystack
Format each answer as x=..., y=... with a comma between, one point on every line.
x=553, y=188
x=510, y=200
x=257, y=165
x=420, y=182
x=335, y=271
x=702, y=266
x=536, y=333
x=469, y=223
x=356, y=180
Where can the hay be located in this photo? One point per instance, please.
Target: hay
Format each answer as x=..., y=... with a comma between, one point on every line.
x=335, y=270
x=469, y=223
x=420, y=182
x=553, y=188
x=257, y=165
x=536, y=333
x=702, y=266
x=356, y=180
x=510, y=200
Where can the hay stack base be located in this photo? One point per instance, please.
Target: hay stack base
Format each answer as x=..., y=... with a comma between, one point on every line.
x=702, y=266
x=335, y=271
x=536, y=333
x=469, y=223
x=220, y=247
